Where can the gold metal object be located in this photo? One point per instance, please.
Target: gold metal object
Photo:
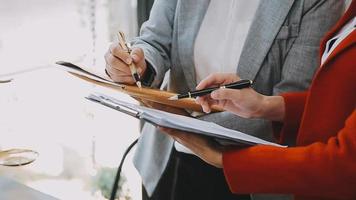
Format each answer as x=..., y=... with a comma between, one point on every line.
x=17, y=157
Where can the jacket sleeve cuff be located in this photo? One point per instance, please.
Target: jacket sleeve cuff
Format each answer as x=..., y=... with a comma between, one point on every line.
x=155, y=64
x=149, y=75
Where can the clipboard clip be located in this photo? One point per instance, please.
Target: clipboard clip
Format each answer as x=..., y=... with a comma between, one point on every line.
x=109, y=103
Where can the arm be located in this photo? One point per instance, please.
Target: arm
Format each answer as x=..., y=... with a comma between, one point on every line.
x=247, y=103
x=295, y=58
x=156, y=37
x=321, y=168
x=150, y=52
x=285, y=111
x=327, y=169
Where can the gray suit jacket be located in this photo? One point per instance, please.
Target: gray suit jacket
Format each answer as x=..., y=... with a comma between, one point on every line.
x=280, y=54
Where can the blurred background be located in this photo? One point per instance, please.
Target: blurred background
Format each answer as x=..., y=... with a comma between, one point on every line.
x=43, y=108
x=80, y=143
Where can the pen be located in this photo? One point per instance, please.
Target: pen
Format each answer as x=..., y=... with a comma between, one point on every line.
x=132, y=66
x=236, y=85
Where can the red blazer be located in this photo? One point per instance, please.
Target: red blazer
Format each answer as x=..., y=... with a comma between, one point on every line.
x=322, y=122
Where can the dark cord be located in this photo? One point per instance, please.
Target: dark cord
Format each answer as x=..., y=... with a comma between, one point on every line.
x=118, y=173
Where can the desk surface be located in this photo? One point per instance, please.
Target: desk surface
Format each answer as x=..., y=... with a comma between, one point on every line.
x=10, y=190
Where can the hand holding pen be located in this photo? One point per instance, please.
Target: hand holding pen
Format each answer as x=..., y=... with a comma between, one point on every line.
x=132, y=66
x=123, y=64
x=243, y=102
x=198, y=93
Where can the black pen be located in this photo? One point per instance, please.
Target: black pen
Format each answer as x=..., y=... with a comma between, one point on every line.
x=236, y=85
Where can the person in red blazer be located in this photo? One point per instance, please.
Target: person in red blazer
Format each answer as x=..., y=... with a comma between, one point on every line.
x=320, y=121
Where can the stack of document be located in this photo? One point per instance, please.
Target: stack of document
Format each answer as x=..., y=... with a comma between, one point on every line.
x=195, y=126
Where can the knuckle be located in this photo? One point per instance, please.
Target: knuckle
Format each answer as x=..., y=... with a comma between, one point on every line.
x=137, y=51
x=113, y=77
x=217, y=94
x=111, y=60
x=123, y=54
x=119, y=53
x=119, y=79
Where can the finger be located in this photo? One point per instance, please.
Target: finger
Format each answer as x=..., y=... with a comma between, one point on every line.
x=179, y=136
x=226, y=94
x=117, y=51
x=195, y=143
x=212, y=79
x=207, y=103
x=199, y=100
x=117, y=64
x=127, y=79
x=124, y=79
x=206, y=107
x=217, y=79
x=138, y=58
x=116, y=71
x=224, y=104
x=164, y=129
x=213, y=102
x=202, y=99
x=117, y=75
x=137, y=55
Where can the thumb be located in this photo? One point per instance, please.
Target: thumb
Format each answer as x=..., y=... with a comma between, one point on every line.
x=137, y=55
x=138, y=58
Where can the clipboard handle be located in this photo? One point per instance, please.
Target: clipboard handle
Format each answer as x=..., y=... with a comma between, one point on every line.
x=107, y=102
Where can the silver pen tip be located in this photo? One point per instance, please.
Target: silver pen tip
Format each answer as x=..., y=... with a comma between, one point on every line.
x=138, y=83
x=175, y=97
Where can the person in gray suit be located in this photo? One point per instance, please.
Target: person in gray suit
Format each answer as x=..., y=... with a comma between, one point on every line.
x=272, y=42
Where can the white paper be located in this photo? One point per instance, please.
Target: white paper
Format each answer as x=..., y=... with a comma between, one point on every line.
x=184, y=123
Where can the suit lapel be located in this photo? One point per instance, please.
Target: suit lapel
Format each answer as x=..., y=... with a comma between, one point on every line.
x=349, y=14
x=188, y=27
x=268, y=20
x=348, y=41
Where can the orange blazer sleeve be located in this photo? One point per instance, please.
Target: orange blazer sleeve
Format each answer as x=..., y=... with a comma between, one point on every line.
x=320, y=168
x=286, y=132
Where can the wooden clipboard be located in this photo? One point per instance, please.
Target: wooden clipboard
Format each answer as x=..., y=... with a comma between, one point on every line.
x=149, y=94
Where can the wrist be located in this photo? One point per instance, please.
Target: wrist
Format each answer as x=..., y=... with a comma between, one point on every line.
x=263, y=107
x=218, y=160
x=272, y=108
x=219, y=163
